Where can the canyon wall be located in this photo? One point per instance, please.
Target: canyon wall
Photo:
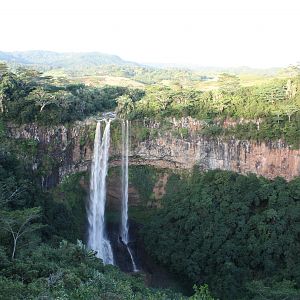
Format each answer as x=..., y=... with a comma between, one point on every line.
x=71, y=149
x=182, y=146
x=61, y=150
x=268, y=159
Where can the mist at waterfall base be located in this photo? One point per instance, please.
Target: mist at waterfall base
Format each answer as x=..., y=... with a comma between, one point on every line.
x=98, y=239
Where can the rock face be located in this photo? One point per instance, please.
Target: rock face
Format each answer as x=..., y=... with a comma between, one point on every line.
x=71, y=150
x=266, y=159
x=61, y=150
x=269, y=159
x=114, y=193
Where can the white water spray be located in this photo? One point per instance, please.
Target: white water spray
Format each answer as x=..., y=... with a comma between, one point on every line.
x=97, y=239
x=124, y=213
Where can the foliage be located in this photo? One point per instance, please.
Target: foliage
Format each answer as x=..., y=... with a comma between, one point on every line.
x=227, y=230
x=139, y=133
x=284, y=289
x=143, y=178
x=239, y=234
x=65, y=208
x=28, y=96
x=201, y=293
x=70, y=272
x=19, y=223
x=269, y=111
x=125, y=106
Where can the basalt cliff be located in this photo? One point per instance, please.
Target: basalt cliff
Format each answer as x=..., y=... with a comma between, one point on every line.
x=70, y=149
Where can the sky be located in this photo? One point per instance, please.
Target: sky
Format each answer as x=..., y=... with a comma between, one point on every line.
x=255, y=33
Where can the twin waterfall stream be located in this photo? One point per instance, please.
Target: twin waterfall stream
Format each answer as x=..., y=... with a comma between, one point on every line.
x=97, y=235
x=124, y=213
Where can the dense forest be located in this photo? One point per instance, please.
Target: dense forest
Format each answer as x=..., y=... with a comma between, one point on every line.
x=231, y=236
x=239, y=234
x=27, y=96
x=265, y=112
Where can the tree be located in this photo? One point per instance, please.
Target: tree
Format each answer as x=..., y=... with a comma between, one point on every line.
x=164, y=98
x=3, y=68
x=41, y=97
x=9, y=89
x=19, y=222
x=290, y=109
x=220, y=103
x=291, y=89
x=30, y=79
x=201, y=293
x=125, y=106
x=228, y=82
x=275, y=291
x=7, y=194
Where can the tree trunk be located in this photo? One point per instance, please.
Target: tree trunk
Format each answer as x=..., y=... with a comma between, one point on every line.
x=42, y=107
x=14, y=249
x=1, y=105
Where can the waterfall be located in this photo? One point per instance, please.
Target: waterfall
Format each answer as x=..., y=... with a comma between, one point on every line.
x=97, y=239
x=124, y=212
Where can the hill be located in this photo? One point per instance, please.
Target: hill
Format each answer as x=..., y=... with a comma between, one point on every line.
x=68, y=60
x=99, y=69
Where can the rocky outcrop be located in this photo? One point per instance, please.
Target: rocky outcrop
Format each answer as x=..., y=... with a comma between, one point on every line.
x=61, y=150
x=70, y=149
x=187, y=149
x=114, y=193
x=268, y=159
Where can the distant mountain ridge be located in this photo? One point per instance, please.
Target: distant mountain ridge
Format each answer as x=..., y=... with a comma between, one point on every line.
x=66, y=60
x=72, y=61
x=215, y=69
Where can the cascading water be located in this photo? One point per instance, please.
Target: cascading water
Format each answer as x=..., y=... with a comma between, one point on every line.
x=124, y=217
x=124, y=212
x=97, y=239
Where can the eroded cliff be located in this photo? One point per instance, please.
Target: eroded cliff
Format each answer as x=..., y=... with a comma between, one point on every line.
x=268, y=159
x=61, y=150
x=180, y=145
x=188, y=148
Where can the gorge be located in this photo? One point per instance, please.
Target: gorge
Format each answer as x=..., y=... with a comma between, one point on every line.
x=176, y=189
x=168, y=150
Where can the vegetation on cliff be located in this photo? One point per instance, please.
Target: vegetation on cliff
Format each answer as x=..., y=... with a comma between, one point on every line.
x=267, y=111
x=258, y=112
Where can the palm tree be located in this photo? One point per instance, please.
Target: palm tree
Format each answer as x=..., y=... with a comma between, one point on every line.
x=125, y=106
